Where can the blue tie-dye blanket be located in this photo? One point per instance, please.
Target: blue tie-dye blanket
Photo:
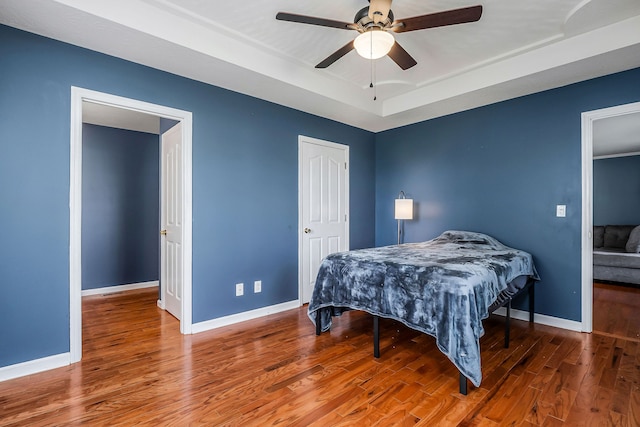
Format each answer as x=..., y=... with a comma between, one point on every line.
x=442, y=287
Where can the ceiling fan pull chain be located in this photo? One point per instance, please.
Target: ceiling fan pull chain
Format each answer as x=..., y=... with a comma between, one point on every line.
x=371, y=85
x=375, y=86
x=373, y=75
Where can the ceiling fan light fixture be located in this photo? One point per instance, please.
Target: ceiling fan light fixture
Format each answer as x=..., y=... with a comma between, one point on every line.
x=374, y=44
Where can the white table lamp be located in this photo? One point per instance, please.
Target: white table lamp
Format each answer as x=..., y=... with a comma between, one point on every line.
x=403, y=210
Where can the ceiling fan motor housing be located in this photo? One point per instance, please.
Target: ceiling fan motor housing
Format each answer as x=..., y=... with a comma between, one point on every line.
x=363, y=20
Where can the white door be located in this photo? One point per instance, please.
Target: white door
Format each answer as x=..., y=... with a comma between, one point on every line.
x=171, y=220
x=324, y=206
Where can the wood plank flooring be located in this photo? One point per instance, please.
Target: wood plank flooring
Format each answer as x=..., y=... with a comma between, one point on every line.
x=616, y=310
x=138, y=370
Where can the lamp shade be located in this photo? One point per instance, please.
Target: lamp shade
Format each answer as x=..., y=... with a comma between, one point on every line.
x=404, y=209
x=374, y=44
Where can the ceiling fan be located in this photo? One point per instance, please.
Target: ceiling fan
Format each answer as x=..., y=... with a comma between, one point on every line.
x=375, y=23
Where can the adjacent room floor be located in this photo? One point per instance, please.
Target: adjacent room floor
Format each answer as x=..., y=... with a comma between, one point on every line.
x=616, y=310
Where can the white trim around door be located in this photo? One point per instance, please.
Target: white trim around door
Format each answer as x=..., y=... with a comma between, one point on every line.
x=78, y=96
x=588, y=118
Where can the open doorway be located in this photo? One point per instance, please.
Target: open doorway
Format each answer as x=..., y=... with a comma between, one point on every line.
x=79, y=99
x=120, y=199
x=592, y=143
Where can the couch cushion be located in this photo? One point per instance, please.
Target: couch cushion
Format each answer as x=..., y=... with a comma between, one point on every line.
x=616, y=274
x=616, y=236
x=616, y=259
x=598, y=236
x=633, y=244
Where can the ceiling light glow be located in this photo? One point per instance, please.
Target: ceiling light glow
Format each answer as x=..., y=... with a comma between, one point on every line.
x=374, y=44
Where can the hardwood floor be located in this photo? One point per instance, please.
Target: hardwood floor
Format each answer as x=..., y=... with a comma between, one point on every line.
x=615, y=310
x=138, y=370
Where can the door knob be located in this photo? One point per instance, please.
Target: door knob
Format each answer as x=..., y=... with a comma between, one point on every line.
x=163, y=232
x=307, y=230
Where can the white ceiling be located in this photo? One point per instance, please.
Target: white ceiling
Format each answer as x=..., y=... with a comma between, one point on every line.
x=515, y=49
x=106, y=115
x=615, y=136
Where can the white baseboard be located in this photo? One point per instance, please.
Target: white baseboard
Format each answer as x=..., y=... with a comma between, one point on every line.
x=241, y=317
x=120, y=288
x=207, y=325
x=543, y=319
x=34, y=366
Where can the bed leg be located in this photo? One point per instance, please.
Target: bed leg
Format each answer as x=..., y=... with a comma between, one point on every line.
x=463, y=384
x=318, y=322
x=531, y=302
x=376, y=337
x=507, y=327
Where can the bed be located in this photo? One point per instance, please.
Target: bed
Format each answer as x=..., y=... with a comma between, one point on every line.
x=443, y=287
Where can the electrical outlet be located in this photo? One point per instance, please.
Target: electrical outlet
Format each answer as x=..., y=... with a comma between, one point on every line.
x=257, y=286
x=239, y=289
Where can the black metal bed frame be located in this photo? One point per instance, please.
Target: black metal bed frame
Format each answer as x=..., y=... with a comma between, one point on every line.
x=507, y=328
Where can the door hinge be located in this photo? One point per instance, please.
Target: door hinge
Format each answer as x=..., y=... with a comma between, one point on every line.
x=345, y=165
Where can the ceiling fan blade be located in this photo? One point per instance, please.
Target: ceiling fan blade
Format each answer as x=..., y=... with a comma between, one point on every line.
x=379, y=10
x=401, y=57
x=302, y=19
x=438, y=19
x=336, y=55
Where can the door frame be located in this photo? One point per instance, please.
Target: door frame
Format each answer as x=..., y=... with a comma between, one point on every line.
x=588, y=118
x=309, y=140
x=78, y=96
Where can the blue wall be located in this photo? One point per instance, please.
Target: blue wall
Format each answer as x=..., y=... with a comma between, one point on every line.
x=120, y=206
x=502, y=169
x=616, y=191
x=245, y=150
x=499, y=169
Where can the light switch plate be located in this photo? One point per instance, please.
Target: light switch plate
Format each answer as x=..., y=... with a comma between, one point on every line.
x=561, y=211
